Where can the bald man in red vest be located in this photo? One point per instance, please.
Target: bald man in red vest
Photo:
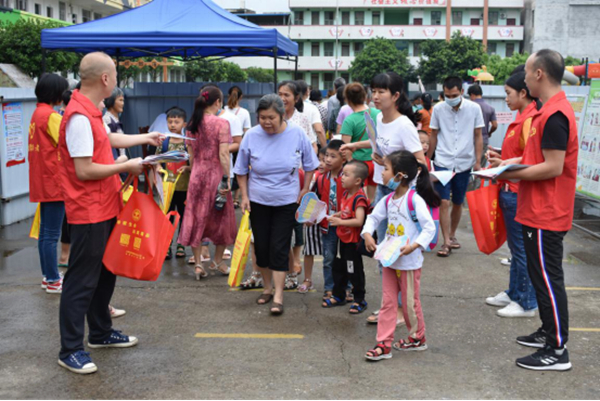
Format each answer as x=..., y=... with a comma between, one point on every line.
x=91, y=186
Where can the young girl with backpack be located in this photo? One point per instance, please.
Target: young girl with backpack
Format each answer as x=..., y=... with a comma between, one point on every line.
x=408, y=211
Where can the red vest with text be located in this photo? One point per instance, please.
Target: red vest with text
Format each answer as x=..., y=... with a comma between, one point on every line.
x=549, y=204
x=93, y=201
x=44, y=158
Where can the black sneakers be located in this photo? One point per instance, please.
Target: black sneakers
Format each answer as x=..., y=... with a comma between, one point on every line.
x=534, y=340
x=546, y=358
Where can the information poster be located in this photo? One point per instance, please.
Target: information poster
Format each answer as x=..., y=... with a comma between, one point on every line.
x=588, y=165
x=12, y=119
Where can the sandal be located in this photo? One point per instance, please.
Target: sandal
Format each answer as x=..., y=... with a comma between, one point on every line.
x=276, y=309
x=217, y=267
x=63, y=265
x=379, y=352
x=332, y=302
x=327, y=295
x=444, y=252
x=304, y=288
x=374, y=318
x=265, y=298
x=291, y=281
x=200, y=272
x=349, y=296
x=180, y=253
x=254, y=281
x=192, y=260
x=169, y=254
x=358, y=307
x=454, y=244
x=227, y=254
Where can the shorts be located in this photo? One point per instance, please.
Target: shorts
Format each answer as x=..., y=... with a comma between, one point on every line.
x=298, y=237
x=312, y=241
x=457, y=186
x=369, y=181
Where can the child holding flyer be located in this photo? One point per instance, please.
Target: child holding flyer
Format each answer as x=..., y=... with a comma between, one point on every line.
x=400, y=169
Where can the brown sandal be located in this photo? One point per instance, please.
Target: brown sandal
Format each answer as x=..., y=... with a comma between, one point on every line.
x=445, y=251
x=265, y=298
x=276, y=309
x=454, y=244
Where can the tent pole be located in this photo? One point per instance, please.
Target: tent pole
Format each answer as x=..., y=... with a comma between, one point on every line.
x=43, y=61
x=118, y=75
x=275, y=70
x=296, y=69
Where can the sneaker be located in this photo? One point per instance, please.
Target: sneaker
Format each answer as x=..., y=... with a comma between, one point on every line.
x=44, y=283
x=411, y=345
x=534, y=340
x=546, y=358
x=505, y=261
x=513, y=309
x=78, y=362
x=54, y=288
x=502, y=299
x=115, y=313
x=115, y=340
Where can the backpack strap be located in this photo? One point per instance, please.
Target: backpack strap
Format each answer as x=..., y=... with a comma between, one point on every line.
x=388, y=199
x=411, y=205
x=356, y=198
x=165, y=145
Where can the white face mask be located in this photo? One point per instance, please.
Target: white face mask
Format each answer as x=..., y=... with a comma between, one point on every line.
x=454, y=101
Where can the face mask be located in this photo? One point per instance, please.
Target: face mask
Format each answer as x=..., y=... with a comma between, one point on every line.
x=393, y=184
x=419, y=107
x=454, y=102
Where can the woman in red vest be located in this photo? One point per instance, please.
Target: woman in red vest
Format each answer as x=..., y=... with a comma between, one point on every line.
x=44, y=159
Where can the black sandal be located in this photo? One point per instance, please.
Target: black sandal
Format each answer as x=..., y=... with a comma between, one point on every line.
x=266, y=298
x=358, y=307
x=180, y=253
x=276, y=309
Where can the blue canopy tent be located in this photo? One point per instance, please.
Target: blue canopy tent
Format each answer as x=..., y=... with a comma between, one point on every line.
x=183, y=29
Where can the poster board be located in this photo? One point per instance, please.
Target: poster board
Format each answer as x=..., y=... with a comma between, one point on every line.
x=12, y=120
x=588, y=163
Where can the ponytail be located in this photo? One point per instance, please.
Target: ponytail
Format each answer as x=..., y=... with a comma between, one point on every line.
x=208, y=96
x=403, y=161
x=235, y=93
x=425, y=188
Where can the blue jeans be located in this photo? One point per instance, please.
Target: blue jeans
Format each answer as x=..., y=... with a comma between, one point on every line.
x=383, y=192
x=51, y=218
x=330, y=245
x=520, y=289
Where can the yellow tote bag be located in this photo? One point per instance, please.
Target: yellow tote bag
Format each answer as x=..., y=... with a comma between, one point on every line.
x=168, y=190
x=34, y=232
x=240, y=252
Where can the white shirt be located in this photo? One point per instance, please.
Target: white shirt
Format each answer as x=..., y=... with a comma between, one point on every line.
x=400, y=134
x=235, y=126
x=243, y=115
x=314, y=115
x=303, y=122
x=79, y=137
x=400, y=223
x=455, y=148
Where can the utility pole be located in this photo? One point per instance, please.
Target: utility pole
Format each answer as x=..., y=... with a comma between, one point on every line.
x=337, y=27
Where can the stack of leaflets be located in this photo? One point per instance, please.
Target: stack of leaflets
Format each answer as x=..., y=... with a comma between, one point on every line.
x=172, y=156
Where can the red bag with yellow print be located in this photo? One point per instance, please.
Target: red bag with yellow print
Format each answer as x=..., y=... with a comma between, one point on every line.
x=486, y=218
x=138, y=244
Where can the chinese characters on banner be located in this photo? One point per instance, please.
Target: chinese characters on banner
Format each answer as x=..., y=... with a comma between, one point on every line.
x=588, y=163
x=406, y=2
x=12, y=119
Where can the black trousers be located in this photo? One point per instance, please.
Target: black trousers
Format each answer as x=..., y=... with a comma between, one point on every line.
x=272, y=227
x=349, y=267
x=544, y=251
x=87, y=288
x=178, y=204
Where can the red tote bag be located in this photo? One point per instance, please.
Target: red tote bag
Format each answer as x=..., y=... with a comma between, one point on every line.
x=486, y=218
x=138, y=244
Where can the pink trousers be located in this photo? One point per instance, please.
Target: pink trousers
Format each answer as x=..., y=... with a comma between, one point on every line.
x=409, y=283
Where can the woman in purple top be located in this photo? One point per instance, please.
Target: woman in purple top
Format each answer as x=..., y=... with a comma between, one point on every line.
x=267, y=166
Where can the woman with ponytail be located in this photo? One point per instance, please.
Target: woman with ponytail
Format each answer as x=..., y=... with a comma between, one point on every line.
x=209, y=159
x=404, y=275
x=233, y=106
x=519, y=300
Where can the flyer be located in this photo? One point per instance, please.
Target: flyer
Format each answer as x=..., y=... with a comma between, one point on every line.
x=12, y=119
x=390, y=249
x=588, y=162
x=311, y=209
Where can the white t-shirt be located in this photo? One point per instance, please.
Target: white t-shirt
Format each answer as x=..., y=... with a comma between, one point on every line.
x=400, y=134
x=243, y=115
x=235, y=126
x=400, y=223
x=79, y=137
x=314, y=115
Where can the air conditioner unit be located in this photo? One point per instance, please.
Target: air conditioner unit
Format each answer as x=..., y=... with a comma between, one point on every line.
x=502, y=16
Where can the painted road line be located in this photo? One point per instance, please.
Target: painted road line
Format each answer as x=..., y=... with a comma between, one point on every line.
x=245, y=335
x=262, y=289
x=584, y=329
x=583, y=288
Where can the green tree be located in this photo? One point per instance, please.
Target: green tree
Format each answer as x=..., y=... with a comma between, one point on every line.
x=256, y=74
x=211, y=70
x=21, y=45
x=501, y=68
x=234, y=73
x=380, y=55
x=456, y=57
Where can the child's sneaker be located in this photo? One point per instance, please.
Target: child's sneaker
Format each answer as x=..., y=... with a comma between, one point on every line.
x=379, y=352
x=411, y=345
x=78, y=362
x=115, y=340
x=55, y=287
x=115, y=313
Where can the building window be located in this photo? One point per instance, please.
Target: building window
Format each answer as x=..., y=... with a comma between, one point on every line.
x=62, y=11
x=436, y=18
x=329, y=17
x=314, y=19
x=358, y=47
x=97, y=16
x=511, y=21
x=49, y=12
x=4, y=3
x=328, y=80
x=345, y=17
x=418, y=21
x=346, y=49
x=315, y=50
x=299, y=18
x=74, y=18
x=416, y=49
x=457, y=18
x=300, y=49
x=359, y=18
x=314, y=81
x=21, y=5
x=376, y=18
x=346, y=76
x=491, y=48
x=510, y=49
x=37, y=8
x=475, y=21
x=493, y=18
x=86, y=16
x=328, y=51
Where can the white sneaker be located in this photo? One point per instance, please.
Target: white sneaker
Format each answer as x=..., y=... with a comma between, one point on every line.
x=114, y=312
x=55, y=288
x=513, y=309
x=505, y=261
x=502, y=299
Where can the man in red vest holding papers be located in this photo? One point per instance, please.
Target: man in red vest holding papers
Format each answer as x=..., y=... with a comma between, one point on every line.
x=91, y=186
x=545, y=207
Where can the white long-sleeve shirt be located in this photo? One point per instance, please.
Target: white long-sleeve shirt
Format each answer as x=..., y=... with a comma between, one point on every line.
x=400, y=223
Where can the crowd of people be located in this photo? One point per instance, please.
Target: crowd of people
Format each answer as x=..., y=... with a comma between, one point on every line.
x=374, y=192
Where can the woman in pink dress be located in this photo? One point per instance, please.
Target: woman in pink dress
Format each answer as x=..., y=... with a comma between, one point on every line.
x=209, y=158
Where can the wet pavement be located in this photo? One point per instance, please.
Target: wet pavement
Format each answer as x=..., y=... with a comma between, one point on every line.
x=471, y=351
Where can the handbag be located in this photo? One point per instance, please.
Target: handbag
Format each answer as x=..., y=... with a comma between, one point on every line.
x=486, y=217
x=240, y=252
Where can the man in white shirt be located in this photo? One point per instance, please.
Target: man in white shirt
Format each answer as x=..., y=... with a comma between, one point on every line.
x=457, y=143
x=312, y=112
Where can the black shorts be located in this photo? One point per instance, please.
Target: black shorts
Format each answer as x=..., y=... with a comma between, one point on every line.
x=272, y=227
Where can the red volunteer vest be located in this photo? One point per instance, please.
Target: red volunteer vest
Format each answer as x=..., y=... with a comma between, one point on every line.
x=44, y=158
x=88, y=202
x=549, y=204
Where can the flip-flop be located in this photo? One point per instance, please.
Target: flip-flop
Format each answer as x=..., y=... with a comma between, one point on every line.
x=264, y=297
x=63, y=265
x=444, y=252
x=454, y=244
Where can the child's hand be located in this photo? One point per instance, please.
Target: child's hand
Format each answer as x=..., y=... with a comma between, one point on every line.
x=408, y=249
x=377, y=159
x=183, y=169
x=334, y=221
x=370, y=243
